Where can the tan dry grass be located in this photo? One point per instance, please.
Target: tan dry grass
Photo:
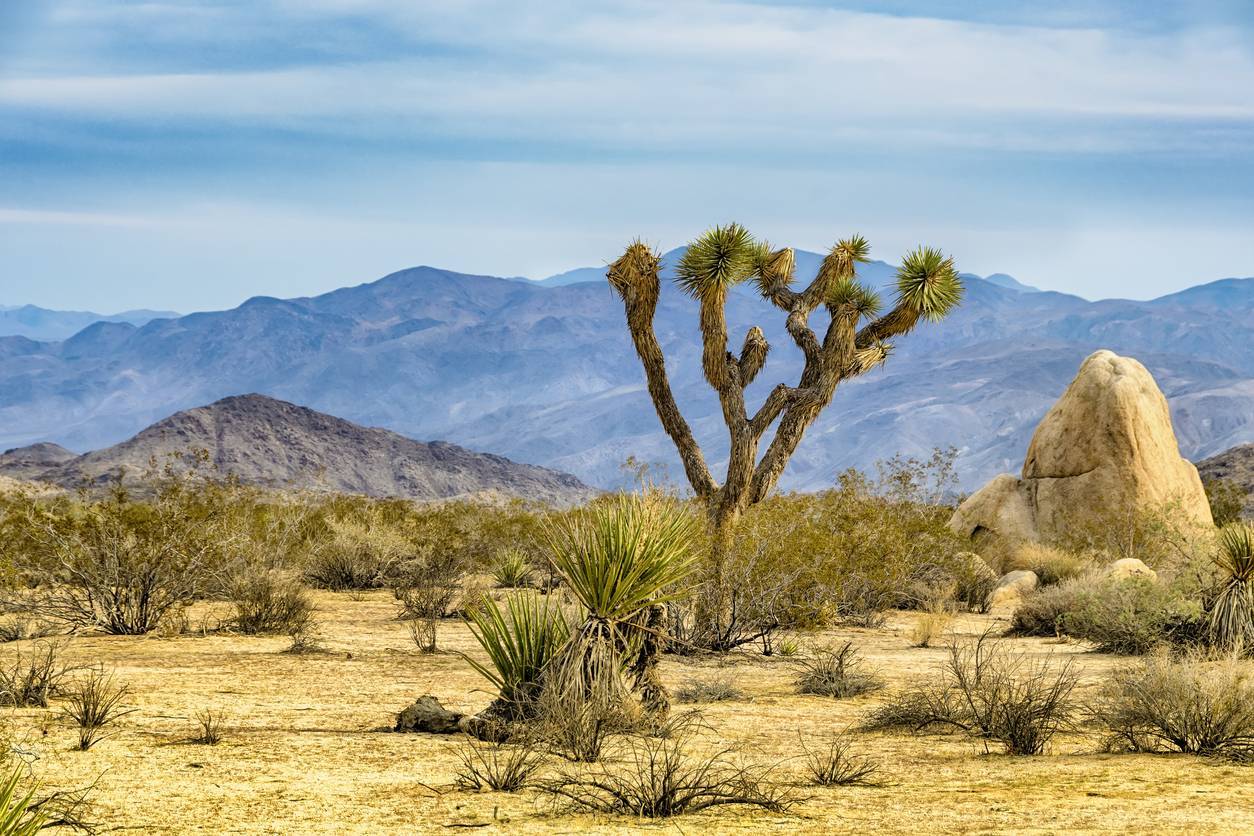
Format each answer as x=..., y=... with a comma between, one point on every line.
x=305, y=754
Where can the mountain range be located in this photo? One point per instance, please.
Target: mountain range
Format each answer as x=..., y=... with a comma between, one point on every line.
x=544, y=372
x=274, y=444
x=37, y=323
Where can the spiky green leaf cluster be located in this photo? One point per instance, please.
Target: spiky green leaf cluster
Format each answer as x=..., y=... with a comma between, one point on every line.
x=624, y=555
x=19, y=815
x=772, y=267
x=519, y=640
x=720, y=259
x=857, y=297
x=928, y=283
x=1232, y=615
x=850, y=252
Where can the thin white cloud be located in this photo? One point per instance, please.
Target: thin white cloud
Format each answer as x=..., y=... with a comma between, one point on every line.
x=706, y=75
x=43, y=217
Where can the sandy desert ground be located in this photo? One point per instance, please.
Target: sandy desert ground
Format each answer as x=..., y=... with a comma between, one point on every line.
x=307, y=749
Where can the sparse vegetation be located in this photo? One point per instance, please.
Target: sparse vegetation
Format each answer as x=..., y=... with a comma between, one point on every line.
x=267, y=602
x=721, y=689
x=1192, y=703
x=837, y=766
x=837, y=672
x=1227, y=500
x=210, y=727
x=931, y=626
x=661, y=778
x=32, y=678
x=990, y=692
x=503, y=767
x=94, y=703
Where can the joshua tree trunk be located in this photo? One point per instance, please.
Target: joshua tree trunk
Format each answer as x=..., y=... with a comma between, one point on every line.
x=927, y=287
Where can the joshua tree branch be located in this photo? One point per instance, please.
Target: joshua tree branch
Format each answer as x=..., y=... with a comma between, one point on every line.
x=635, y=277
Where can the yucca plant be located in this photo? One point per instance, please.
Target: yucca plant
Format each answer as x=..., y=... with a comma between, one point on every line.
x=1232, y=615
x=19, y=814
x=623, y=560
x=520, y=641
x=512, y=569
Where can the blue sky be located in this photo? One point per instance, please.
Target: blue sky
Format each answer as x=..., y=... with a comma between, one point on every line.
x=188, y=155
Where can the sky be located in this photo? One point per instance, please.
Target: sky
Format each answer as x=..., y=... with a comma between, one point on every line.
x=188, y=155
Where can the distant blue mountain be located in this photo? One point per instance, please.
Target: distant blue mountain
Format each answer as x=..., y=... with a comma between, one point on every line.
x=546, y=374
x=43, y=324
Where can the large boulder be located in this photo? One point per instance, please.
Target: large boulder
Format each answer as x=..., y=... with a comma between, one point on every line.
x=1105, y=449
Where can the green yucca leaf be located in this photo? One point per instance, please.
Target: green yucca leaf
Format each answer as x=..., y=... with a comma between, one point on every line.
x=1232, y=615
x=928, y=283
x=16, y=816
x=721, y=258
x=624, y=555
x=519, y=640
x=857, y=297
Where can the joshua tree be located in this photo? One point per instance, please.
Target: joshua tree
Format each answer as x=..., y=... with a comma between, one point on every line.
x=928, y=287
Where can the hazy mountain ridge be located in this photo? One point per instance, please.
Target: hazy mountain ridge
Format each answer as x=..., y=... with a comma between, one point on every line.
x=268, y=442
x=43, y=324
x=547, y=374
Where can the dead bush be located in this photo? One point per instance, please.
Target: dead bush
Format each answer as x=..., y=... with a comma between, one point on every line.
x=33, y=678
x=503, y=767
x=986, y=690
x=660, y=778
x=210, y=727
x=95, y=702
x=1193, y=703
x=837, y=766
x=426, y=588
x=837, y=672
x=708, y=690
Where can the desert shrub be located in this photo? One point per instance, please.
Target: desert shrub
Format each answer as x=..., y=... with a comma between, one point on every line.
x=24, y=628
x=1193, y=703
x=1132, y=616
x=930, y=626
x=708, y=690
x=426, y=587
x=1227, y=499
x=31, y=679
x=1052, y=564
x=837, y=766
x=1129, y=615
x=850, y=553
x=512, y=569
x=1232, y=612
x=210, y=727
x=837, y=672
x=95, y=702
x=121, y=564
x=306, y=640
x=355, y=554
x=520, y=641
x=991, y=693
x=268, y=602
x=788, y=647
x=660, y=778
x=504, y=767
